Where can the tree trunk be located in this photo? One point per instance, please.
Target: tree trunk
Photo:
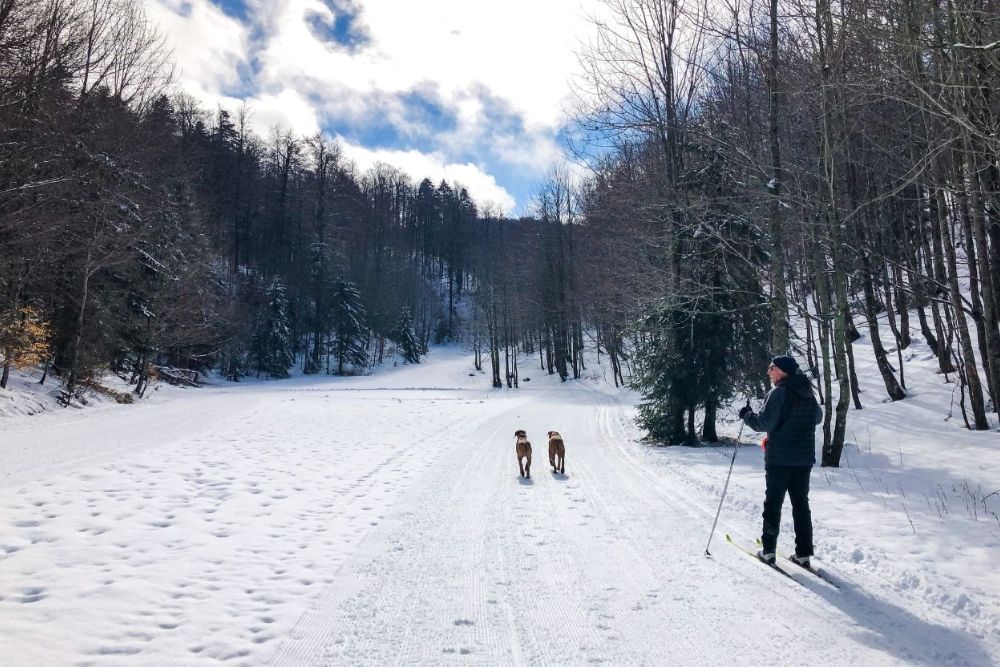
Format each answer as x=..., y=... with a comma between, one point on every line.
x=975, y=285
x=78, y=329
x=991, y=354
x=902, y=304
x=971, y=374
x=494, y=344
x=708, y=428
x=779, y=300
x=892, y=387
x=8, y=355
x=852, y=373
x=824, y=20
x=933, y=256
x=823, y=309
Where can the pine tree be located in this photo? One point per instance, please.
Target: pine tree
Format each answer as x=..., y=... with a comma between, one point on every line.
x=350, y=331
x=409, y=345
x=686, y=363
x=319, y=318
x=272, y=340
x=660, y=374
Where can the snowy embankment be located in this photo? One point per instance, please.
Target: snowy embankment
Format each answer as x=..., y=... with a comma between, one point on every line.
x=381, y=520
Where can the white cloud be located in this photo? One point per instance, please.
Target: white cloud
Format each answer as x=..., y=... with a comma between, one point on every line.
x=208, y=47
x=538, y=154
x=500, y=71
x=481, y=186
x=520, y=54
x=289, y=109
x=523, y=51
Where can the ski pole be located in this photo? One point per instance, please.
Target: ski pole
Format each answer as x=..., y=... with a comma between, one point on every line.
x=736, y=448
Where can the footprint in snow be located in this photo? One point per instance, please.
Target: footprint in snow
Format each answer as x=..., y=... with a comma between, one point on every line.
x=33, y=594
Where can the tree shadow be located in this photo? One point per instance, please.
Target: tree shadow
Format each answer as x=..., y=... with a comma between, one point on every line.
x=896, y=631
x=866, y=477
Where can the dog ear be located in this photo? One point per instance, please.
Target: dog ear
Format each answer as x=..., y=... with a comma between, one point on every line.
x=550, y=433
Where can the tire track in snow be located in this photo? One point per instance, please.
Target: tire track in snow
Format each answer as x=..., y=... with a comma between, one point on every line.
x=395, y=581
x=632, y=608
x=603, y=566
x=659, y=566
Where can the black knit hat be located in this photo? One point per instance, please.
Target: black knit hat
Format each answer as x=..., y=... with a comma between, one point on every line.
x=787, y=364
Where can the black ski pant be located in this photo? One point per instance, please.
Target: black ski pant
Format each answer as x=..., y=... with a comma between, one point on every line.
x=795, y=481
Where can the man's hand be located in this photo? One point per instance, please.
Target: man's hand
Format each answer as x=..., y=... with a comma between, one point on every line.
x=745, y=410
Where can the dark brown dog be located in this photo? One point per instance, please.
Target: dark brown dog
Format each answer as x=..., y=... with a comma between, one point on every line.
x=523, y=448
x=557, y=452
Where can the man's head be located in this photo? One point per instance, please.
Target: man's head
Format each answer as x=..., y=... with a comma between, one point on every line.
x=781, y=367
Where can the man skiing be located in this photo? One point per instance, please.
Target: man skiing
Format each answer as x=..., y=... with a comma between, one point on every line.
x=789, y=416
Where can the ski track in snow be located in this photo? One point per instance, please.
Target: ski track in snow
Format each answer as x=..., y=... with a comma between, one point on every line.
x=382, y=521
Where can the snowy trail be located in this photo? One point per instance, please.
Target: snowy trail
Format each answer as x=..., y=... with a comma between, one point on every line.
x=381, y=520
x=197, y=531
x=602, y=565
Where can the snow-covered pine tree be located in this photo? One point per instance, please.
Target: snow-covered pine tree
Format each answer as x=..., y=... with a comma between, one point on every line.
x=272, y=340
x=349, y=329
x=409, y=345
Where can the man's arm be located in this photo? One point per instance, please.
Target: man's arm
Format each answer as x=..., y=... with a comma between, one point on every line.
x=769, y=415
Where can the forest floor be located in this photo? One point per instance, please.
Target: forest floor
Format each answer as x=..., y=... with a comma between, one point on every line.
x=381, y=520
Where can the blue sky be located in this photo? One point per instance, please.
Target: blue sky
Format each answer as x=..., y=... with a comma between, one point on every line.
x=466, y=90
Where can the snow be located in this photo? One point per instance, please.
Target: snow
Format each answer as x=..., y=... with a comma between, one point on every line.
x=381, y=520
x=979, y=47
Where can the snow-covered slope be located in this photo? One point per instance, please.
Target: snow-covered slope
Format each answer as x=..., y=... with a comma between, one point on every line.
x=381, y=520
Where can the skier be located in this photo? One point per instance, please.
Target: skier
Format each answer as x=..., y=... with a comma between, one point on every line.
x=789, y=416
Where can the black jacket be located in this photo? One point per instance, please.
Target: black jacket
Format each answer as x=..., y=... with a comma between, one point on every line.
x=793, y=442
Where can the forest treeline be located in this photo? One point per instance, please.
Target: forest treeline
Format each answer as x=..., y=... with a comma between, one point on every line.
x=764, y=177
x=770, y=177
x=832, y=164
x=137, y=229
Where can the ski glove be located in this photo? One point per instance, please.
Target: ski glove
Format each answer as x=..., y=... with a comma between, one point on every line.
x=744, y=411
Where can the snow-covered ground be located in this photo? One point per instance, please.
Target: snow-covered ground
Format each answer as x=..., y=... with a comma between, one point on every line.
x=381, y=520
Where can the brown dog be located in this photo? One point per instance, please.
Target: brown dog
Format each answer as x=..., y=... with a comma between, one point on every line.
x=523, y=448
x=557, y=452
